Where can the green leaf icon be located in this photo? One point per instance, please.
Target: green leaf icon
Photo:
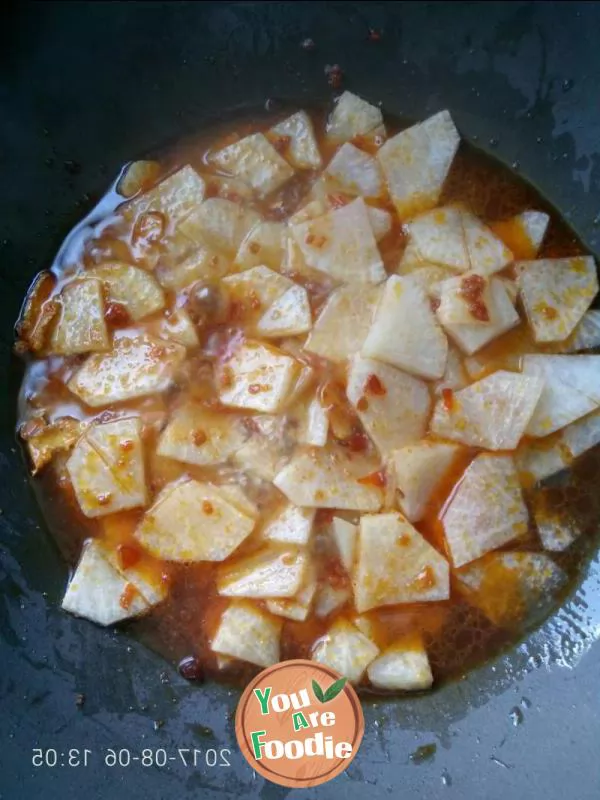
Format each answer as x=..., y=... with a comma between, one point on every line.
x=335, y=688
x=333, y=691
x=318, y=692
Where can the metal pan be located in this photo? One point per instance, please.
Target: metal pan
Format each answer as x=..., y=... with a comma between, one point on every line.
x=83, y=88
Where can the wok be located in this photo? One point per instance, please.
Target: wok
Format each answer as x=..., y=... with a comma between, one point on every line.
x=85, y=87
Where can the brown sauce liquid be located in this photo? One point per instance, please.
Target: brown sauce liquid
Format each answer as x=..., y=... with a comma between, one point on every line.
x=458, y=635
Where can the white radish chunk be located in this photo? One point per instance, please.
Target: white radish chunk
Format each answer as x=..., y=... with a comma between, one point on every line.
x=430, y=279
x=197, y=435
x=192, y=521
x=314, y=424
x=352, y=116
x=465, y=300
x=556, y=293
x=473, y=336
x=343, y=324
x=492, y=413
x=80, y=327
x=540, y=459
x=456, y=376
x=267, y=450
x=571, y=390
x=44, y=440
x=201, y=263
x=248, y=633
x=262, y=246
x=556, y=527
x=298, y=607
x=356, y=172
x=254, y=160
x=392, y=405
x=100, y=592
x=330, y=598
x=273, y=571
x=487, y=253
x=586, y=335
x=405, y=331
x=341, y=244
x=381, y=222
x=255, y=291
x=106, y=468
x=395, y=564
x=290, y=525
x=344, y=534
x=403, y=666
x=221, y=224
x=437, y=237
x=416, y=162
x=302, y=151
x=177, y=327
x=486, y=510
x=419, y=470
x=346, y=650
x=325, y=477
x=175, y=197
x=134, y=368
x=257, y=377
x=289, y=315
x=130, y=286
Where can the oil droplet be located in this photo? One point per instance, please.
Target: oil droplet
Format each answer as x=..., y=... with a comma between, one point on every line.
x=446, y=779
x=493, y=142
x=423, y=753
x=516, y=164
x=567, y=85
x=516, y=716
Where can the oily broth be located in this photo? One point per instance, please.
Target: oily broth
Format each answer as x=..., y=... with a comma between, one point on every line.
x=457, y=635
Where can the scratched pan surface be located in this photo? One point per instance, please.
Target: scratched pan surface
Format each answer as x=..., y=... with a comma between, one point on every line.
x=83, y=88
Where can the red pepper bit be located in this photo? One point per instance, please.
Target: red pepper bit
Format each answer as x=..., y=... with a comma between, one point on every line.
x=116, y=314
x=149, y=227
x=207, y=507
x=314, y=240
x=126, y=445
x=337, y=200
x=373, y=35
x=363, y=404
x=257, y=388
x=375, y=386
x=357, y=442
x=448, y=399
x=198, y=437
x=434, y=303
x=324, y=516
x=127, y=596
x=128, y=555
x=374, y=479
x=281, y=143
x=471, y=289
x=227, y=378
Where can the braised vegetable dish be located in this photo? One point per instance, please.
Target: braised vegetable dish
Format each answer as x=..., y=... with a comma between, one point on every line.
x=317, y=387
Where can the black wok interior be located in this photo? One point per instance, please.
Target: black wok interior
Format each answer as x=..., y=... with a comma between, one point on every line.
x=85, y=87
